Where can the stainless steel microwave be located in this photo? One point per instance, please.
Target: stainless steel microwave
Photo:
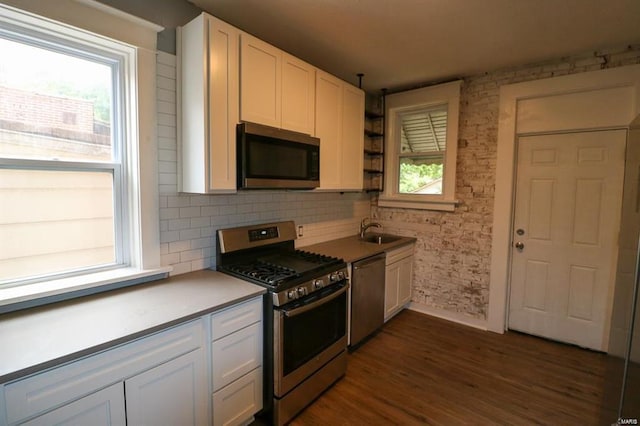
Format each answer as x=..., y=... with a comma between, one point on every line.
x=271, y=158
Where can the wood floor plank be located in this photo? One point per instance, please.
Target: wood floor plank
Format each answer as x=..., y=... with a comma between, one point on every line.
x=421, y=370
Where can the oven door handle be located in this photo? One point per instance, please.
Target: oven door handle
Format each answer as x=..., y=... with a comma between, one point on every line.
x=305, y=308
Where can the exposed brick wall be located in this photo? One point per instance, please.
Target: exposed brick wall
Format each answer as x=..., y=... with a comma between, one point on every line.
x=453, y=251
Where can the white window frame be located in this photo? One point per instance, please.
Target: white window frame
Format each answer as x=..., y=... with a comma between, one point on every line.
x=400, y=103
x=134, y=39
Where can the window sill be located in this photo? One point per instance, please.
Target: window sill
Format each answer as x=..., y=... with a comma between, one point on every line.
x=36, y=294
x=440, y=205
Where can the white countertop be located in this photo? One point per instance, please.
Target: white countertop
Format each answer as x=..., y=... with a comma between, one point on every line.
x=35, y=339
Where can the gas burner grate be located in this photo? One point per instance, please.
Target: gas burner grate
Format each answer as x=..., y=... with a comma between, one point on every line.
x=320, y=259
x=264, y=272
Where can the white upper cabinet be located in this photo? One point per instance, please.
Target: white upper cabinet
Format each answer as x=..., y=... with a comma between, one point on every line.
x=228, y=76
x=352, y=137
x=328, y=128
x=340, y=127
x=209, y=67
x=260, y=81
x=298, y=95
x=276, y=89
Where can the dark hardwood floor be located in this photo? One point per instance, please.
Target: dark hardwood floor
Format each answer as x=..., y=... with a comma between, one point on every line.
x=422, y=370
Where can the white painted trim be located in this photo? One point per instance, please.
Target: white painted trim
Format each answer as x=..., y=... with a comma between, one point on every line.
x=92, y=16
x=90, y=283
x=399, y=103
x=505, y=169
x=140, y=127
x=447, y=206
x=448, y=315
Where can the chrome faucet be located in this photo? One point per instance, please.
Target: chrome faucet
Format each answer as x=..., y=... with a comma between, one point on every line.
x=364, y=226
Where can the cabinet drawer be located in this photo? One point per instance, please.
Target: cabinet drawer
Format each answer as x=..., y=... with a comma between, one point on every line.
x=42, y=392
x=235, y=318
x=399, y=253
x=238, y=402
x=236, y=354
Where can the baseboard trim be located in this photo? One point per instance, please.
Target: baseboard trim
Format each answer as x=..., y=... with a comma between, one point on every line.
x=449, y=316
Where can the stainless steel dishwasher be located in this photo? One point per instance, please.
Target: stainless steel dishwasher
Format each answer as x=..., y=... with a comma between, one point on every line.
x=367, y=297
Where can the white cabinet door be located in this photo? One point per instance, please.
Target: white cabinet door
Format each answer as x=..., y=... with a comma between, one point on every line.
x=236, y=403
x=174, y=393
x=352, y=138
x=391, y=280
x=329, y=128
x=405, y=277
x=103, y=408
x=398, y=280
x=260, y=81
x=298, y=95
x=276, y=89
x=340, y=127
x=209, y=90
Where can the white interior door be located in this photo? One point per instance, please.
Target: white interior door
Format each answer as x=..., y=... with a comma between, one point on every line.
x=567, y=212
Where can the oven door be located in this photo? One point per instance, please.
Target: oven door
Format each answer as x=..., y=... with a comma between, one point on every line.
x=308, y=334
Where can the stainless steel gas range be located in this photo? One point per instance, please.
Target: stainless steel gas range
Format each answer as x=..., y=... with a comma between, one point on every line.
x=305, y=333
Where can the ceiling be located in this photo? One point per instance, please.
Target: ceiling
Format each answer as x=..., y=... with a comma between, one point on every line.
x=399, y=44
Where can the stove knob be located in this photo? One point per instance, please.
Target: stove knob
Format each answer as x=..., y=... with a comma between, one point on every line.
x=301, y=291
x=337, y=276
x=318, y=284
x=292, y=294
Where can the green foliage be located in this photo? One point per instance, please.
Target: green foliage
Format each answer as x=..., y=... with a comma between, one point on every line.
x=415, y=176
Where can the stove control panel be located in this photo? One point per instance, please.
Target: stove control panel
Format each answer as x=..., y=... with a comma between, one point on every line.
x=307, y=288
x=263, y=233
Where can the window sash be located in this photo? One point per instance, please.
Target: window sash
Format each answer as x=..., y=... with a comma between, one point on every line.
x=121, y=253
x=440, y=158
x=118, y=62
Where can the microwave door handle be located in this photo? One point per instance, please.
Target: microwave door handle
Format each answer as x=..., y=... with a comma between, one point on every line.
x=305, y=308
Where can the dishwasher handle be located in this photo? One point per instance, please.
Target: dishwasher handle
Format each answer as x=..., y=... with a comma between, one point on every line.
x=365, y=263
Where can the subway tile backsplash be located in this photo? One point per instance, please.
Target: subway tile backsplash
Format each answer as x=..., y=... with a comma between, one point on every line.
x=188, y=221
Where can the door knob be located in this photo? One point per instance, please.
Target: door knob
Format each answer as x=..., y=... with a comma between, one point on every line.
x=519, y=245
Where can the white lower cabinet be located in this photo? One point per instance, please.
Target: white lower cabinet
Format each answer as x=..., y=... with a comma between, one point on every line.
x=398, y=279
x=102, y=408
x=173, y=393
x=236, y=360
x=161, y=379
x=64, y=388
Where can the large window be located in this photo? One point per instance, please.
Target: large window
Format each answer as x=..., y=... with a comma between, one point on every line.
x=76, y=109
x=61, y=177
x=422, y=129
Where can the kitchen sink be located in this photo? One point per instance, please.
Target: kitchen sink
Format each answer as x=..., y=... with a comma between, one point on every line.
x=380, y=238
